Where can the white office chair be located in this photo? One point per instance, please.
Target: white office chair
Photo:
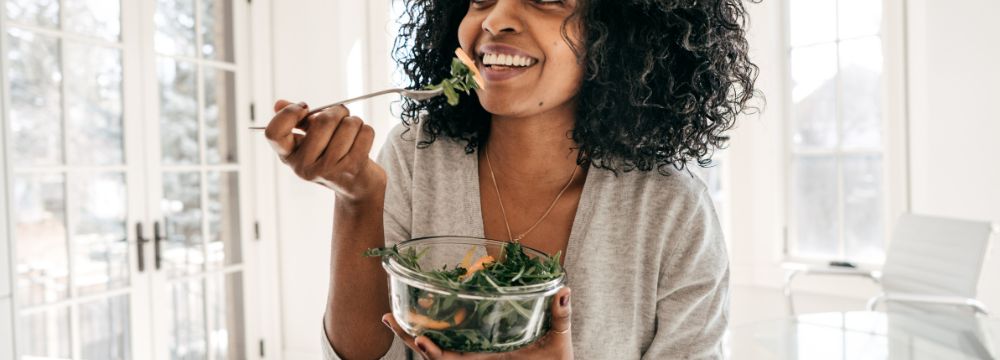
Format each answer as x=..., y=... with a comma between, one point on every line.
x=932, y=261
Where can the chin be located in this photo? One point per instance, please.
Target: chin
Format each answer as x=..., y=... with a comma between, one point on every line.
x=503, y=106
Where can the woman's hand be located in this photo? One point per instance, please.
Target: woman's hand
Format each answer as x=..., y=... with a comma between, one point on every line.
x=333, y=153
x=557, y=344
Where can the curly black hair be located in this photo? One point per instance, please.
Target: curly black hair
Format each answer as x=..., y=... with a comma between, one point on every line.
x=663, y=79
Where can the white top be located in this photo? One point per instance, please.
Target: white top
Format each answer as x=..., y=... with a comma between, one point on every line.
x=646, y=258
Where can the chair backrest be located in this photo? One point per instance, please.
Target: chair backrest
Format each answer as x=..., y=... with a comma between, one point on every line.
x=935, y=256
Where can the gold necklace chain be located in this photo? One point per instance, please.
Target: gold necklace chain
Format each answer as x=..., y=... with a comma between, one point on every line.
x=504, y=211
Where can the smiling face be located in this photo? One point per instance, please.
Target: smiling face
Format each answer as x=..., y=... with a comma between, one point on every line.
x=519, y=48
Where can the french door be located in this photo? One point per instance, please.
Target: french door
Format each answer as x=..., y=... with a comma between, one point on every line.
x=128, y=179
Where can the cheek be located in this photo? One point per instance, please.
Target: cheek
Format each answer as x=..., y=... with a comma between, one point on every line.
x=564, y=72
x=468, y=30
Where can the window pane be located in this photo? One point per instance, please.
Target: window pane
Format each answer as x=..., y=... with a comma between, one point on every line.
x=863, y=229
x=94, y=105
x=182, y=214
x=861, y=79
x=178, y=112
x=217, y=30
x=223, y=219
x=100, y=247
x=859, y=17
x=43, y=13
x=35, y=100
x=100, y=18
x=813, y=21
x=175, y=27
x=40, y=232
x=104, y=329
x=814, y=203
x=225, y=308
x=814, y=96
x=220, y=116
x=187, y=321
x=44, y=335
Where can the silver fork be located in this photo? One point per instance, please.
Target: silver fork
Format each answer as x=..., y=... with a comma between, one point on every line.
x=418, y=95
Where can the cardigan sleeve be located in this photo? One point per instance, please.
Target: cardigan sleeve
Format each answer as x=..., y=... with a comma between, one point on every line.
x=693, y=291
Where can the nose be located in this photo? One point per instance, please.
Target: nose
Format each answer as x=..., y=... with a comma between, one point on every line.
x=504, y=17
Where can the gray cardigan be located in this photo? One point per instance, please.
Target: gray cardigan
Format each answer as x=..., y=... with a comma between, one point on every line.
x=646, y=257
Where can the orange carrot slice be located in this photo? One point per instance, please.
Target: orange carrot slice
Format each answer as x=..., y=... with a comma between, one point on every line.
x=471, y=65
x=424, y=322
x=478, y=265
x=459, y=317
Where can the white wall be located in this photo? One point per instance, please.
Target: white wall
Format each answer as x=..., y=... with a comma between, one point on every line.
x=322, y=51
x=955, y=143
x=755, y=159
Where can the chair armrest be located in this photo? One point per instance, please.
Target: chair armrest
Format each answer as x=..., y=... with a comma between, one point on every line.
x=793, y=269
x=823, y=269
x=974, y=304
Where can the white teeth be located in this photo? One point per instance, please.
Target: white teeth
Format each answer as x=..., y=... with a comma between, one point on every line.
x=507, y=60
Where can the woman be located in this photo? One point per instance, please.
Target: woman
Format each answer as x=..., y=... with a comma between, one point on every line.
x=577, y=143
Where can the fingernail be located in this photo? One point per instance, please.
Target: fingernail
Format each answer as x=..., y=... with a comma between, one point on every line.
x=304, y=105
x=564, y=301
x=386, y=322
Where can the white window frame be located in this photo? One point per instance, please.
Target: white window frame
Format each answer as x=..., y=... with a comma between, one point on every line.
x=6, y=253
x=895, y=132
x=262, y=177
x=6, y=246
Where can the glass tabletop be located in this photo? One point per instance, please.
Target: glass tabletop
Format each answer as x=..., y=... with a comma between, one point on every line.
x=864, y=335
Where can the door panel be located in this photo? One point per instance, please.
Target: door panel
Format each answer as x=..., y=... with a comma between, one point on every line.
x=102, y=151
x=200, y=285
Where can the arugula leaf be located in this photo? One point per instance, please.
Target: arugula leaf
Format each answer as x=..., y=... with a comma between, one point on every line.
x=462, y=80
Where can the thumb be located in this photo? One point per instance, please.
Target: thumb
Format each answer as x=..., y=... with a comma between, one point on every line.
x=561, y=313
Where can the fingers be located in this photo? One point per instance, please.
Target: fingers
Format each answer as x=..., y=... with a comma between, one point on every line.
x=390, y=321
x=279, y=130
x=357, y=156
x=561, y=314
x=429, y=349
x=421, y=344
x=280, y=104
x=343, y=139
x=322, y=133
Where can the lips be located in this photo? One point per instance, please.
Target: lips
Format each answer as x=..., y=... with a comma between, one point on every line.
x=500, y=73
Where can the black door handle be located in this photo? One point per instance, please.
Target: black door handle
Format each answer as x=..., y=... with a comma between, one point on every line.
x=140, y=242
x=157, y=238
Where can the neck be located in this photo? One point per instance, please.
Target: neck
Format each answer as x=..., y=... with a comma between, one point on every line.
x=536, y=149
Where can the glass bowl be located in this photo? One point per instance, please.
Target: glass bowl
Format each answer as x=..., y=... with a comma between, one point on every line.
x=495, y=320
